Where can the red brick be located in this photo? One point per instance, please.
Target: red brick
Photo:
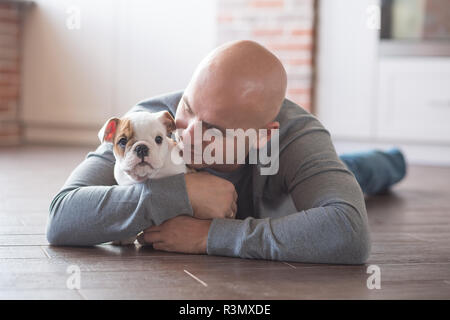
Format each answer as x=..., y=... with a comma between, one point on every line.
x=8, y=41
x=299, y=62
x=302, y=32
x=300, y=97
x=299, y=91
x=266, y=3
x=8, y=27
x=9, y=92
x=289, y=46
x=7, y=6
x=9, y=15
x=9, y=128
x=7, y=104
x=224, y=18
x=289, y=36
x=9, y=66
x=10, y=53
x=9, y=19
x=9, y=78
x=267, y=32
x=10, y=133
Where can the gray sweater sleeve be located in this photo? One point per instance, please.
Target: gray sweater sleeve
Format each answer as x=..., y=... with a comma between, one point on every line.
x=91, y=209
x=330, y=225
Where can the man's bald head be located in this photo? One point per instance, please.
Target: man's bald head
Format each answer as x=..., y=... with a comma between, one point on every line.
x=238, y=85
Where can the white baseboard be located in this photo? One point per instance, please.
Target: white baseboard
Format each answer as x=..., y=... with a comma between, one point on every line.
x=421, y=154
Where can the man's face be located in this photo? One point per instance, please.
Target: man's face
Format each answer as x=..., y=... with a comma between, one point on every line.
x=194, y=118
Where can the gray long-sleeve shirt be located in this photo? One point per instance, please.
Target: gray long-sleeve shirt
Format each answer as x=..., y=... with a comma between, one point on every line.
x=312, y=210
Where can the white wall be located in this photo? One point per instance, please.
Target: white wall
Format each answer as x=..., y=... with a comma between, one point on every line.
x=347, y=57
x=123, y=52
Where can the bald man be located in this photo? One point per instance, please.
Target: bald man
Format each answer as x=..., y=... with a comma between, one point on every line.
x=310, y=210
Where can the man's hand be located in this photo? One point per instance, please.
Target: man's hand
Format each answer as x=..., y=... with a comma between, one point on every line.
x=211, y=196
x=180, y=234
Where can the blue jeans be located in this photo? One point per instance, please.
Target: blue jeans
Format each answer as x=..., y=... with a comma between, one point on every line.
x=376, y=171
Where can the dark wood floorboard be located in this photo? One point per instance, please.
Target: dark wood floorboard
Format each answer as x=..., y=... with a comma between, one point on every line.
x=410, y=232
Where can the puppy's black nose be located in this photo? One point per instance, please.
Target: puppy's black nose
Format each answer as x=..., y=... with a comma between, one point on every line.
x=141, y=150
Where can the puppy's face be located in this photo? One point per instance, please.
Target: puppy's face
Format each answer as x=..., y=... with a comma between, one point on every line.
x=140, y=141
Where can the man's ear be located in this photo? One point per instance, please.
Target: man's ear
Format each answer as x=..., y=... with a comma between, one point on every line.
x=169, y=122
x=108, y=131
x=264, y=138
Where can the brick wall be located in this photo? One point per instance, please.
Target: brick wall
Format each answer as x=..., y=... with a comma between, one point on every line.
x=286, y=27
x=9, y=73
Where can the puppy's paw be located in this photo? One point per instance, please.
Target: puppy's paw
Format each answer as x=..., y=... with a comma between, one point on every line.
x=141, y=240
x=124, y=242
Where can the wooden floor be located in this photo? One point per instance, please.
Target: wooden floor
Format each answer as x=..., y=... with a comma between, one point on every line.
x=410, y=231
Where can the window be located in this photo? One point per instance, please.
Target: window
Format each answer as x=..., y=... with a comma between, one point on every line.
x=416, y=20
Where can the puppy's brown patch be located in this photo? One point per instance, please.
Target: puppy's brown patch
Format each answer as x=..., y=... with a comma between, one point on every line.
x=168, y=121
x=125, y=130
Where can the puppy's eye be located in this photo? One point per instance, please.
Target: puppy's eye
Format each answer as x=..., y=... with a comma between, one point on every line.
x=158, y=139
x=122, y=142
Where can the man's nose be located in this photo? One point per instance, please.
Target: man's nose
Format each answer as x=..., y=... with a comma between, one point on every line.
x=193, y=132
x=180, y=123
x=141, y=150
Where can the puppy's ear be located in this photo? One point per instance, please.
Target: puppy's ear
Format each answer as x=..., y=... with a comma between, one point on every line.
x=166, y=118
x=108, y=131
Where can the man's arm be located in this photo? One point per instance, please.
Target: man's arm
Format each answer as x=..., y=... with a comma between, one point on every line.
x=90, y=209
x=330, y=225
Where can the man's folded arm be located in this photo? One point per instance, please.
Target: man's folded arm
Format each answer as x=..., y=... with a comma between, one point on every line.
x=90, y=209
x=330, y=225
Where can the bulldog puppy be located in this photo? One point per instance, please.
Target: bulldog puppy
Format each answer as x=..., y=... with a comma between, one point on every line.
x=143, y=149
